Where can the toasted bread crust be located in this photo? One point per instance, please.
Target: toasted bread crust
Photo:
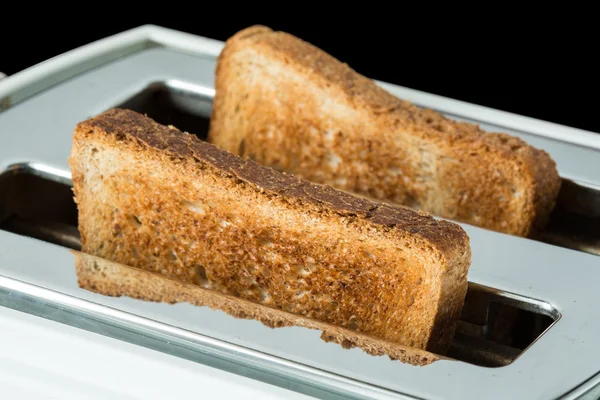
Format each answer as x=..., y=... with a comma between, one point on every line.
x=126, y=124
x=410, y=155
x=390, y=272
x=112, y=279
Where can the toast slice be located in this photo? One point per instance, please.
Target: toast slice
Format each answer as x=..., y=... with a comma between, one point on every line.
x=152, y=197
x=111, y=279
x=289, y=105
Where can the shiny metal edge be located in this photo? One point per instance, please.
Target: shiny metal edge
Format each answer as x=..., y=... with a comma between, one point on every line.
x=589, y=390
x=41, y=170
x=266, y=363
x=536, y=305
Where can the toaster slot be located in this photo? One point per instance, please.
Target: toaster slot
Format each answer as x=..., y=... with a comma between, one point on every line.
x=176, y=103
x=575, y=222
x=494, y=329
x=37, y=206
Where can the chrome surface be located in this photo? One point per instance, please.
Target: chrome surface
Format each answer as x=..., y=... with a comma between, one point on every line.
x=547, y=282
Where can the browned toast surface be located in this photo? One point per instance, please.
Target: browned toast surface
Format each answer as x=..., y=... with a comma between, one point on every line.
x=112, y=279
x=152, y=197
x=289, y=105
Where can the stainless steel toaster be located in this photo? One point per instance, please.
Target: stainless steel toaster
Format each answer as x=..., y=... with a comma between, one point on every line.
x=547, y=348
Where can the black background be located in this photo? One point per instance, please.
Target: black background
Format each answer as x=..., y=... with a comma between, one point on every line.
x=536, y=65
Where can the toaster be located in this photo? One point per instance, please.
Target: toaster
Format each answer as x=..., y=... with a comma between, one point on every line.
x=530, y=326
